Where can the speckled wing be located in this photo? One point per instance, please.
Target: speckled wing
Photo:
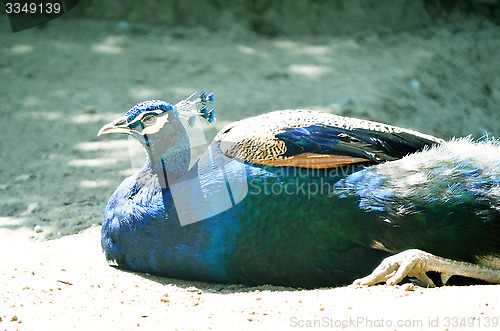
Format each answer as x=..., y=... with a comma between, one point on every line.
x=310, y=139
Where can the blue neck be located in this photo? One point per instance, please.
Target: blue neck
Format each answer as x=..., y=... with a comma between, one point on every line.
x=169, y=154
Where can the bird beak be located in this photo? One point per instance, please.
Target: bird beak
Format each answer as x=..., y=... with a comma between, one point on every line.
x=117, y=126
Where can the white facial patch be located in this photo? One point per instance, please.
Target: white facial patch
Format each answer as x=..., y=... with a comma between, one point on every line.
x=161, y=120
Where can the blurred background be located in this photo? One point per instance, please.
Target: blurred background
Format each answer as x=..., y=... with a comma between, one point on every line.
x=431, y=66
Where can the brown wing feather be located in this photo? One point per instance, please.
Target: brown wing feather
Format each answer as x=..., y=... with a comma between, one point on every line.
x=254, y=140
x=313, y=161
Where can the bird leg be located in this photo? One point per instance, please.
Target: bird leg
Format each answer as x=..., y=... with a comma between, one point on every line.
x=415, y=263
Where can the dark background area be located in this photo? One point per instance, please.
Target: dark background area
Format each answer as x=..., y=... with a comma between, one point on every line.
x=291, y=17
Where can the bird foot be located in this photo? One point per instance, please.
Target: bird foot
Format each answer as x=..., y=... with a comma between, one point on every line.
x=415, y=263
x=392, y=270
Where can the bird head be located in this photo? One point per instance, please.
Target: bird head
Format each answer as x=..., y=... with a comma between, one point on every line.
x=157, y=126
x=144, y=120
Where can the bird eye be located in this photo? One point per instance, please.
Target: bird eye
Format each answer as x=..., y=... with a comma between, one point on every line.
x=149, y=120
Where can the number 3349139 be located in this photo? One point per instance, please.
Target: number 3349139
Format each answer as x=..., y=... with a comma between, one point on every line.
x=32, y=8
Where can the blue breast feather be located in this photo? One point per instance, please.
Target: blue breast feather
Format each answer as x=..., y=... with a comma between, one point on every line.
x=142, y=232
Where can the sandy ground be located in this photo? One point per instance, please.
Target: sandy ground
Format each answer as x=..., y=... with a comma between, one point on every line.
x=60, y=83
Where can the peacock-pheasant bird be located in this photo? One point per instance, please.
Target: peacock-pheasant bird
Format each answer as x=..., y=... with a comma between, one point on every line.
x=302, y=198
